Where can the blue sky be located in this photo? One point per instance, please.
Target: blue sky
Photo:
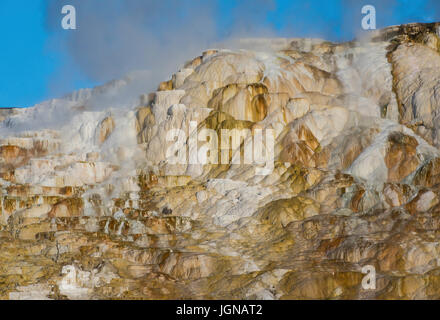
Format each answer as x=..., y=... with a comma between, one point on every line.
x=27, y=63
x=38, y=60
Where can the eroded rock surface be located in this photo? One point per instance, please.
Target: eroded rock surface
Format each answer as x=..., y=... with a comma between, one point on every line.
x=92, y=207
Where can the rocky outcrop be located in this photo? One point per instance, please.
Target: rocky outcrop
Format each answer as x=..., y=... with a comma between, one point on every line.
x=5, y=113
x=94, y=205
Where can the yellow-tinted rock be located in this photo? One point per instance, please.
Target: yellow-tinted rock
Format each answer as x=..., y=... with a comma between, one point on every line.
x=105, y=129
x=401, y=158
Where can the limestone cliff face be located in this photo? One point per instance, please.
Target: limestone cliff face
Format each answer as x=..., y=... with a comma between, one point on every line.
x=93, y=208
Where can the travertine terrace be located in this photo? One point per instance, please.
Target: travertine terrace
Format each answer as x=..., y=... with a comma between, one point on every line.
x=91, y=209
